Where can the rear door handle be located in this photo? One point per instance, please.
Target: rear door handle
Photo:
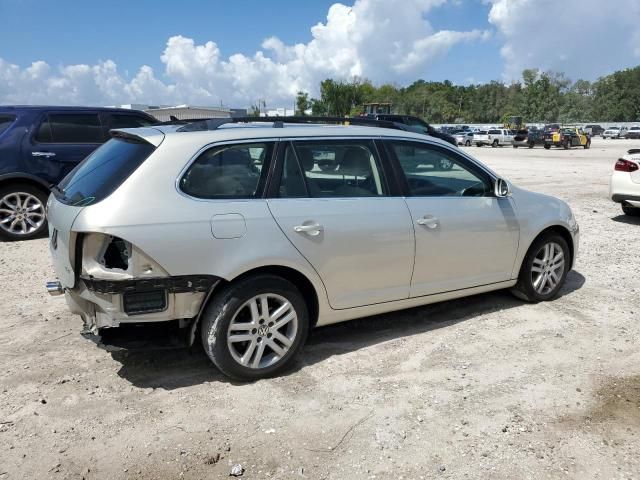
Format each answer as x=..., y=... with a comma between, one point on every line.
x=312, y=229
x=428, y=221
x=43, y=154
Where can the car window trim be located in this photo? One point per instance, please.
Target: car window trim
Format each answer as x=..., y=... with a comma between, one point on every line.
x=261, y=185
x=473, y=167
x=46, y=119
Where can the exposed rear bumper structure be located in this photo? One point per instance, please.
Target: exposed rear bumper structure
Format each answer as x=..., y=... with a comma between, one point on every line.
x=108, y=303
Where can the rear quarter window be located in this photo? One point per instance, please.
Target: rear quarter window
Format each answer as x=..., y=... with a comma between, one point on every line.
x=228, y=171
x=70, y=128
x=102, y=172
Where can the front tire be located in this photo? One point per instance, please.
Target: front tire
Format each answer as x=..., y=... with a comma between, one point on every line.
x=255, y=327
x=544, y=269
x=532, y=144
x=631, y=211
x=22, y=212
x=495, y=143
x=587, y=145
x=547, y=146
x=467, y=143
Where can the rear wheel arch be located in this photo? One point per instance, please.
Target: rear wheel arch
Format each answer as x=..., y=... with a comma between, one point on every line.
x=32, y=181
x=306, y=287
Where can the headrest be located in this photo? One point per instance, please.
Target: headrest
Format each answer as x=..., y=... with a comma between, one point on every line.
x=356, y=161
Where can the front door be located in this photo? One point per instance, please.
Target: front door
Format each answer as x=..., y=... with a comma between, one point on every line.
x=60, y=141
x=465, y=236
x=334, y=207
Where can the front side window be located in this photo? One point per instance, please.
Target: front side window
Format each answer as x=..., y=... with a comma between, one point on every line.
x=338, y=168
x=70, y=128
x=228, y=171
x=434, y=172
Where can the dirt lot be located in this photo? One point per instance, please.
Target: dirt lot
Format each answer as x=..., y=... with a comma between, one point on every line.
x=486, y=387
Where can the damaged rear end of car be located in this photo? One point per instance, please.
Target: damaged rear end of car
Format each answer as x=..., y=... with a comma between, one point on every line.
x=107, y=279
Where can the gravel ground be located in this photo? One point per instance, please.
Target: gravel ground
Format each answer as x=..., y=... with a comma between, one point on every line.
x=485, y=387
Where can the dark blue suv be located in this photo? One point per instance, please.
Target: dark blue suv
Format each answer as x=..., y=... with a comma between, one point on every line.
x=38, y=147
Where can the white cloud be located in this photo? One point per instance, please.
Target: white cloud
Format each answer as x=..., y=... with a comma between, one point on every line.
x=382, y=40
x=582, y=38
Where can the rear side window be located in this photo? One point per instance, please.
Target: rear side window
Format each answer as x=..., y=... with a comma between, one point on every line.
x=5, y=122
x=128, y=121
x=228, y=171
x=332, y=168
x=102, y=172
x=70, y=128
x=495, y=132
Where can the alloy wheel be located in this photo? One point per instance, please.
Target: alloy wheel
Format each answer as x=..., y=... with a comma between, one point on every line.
x=262, y=331
x=547, y=268
x=21, y=213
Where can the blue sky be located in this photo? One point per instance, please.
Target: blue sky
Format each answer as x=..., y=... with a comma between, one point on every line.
x=90, y=52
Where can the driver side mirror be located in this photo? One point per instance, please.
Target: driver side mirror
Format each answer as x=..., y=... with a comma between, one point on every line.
x=502, y=188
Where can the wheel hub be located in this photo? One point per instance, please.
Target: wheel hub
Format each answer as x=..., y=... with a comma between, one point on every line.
x=263, y=330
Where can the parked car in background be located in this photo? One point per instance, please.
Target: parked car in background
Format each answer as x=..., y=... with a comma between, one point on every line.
x=624, y=184
x=38, y=147
x=415, y=124
x=567, y=137
x=633, y=132
x=593, y=130
x=614, y=132
x=244, y=239
x=497, y=137
x=464, y=137
x=529, y=137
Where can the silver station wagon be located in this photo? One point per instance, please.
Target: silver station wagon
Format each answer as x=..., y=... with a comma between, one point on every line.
x=250, y=235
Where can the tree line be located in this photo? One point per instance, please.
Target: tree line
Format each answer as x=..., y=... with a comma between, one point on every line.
x=540, y=97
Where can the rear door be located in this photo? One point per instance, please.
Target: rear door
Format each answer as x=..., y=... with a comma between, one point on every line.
x=465, y=236
x=335, y=204
x=60, y=141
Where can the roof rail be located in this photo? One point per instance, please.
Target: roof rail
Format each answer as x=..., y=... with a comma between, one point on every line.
x=204, y=124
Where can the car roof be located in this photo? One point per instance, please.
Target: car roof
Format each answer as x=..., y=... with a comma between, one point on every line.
x=7, y=108
x=232, y=132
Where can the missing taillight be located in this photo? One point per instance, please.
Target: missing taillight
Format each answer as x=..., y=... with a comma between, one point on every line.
x=116, y=254
x=623, y=165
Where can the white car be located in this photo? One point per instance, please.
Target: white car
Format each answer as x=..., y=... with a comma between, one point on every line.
x=464, y=137
x=624, y=184
x=253, y=234
x=614, y=132
x=496, y=137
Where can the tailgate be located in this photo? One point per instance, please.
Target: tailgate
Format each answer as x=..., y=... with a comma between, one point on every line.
x=62, y=239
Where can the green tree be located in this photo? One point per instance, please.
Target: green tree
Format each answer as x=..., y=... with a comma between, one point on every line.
x=302, y=103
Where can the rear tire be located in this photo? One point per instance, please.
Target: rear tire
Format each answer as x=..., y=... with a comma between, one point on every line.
x=587, y=145
x=631, y=211
x=467, y=143
x=566, y=145
x=544, y=269
x=515, y=146
x=532, y=144
x=495, y=143
x=547, y=146
x=237, y=311
x=22, y=212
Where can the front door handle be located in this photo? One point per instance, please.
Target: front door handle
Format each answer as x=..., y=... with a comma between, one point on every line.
x=43, y=154
x=428, y=221
x=312, y=229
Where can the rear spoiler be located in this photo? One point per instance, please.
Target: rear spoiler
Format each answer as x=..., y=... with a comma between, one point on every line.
x=149, y=135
